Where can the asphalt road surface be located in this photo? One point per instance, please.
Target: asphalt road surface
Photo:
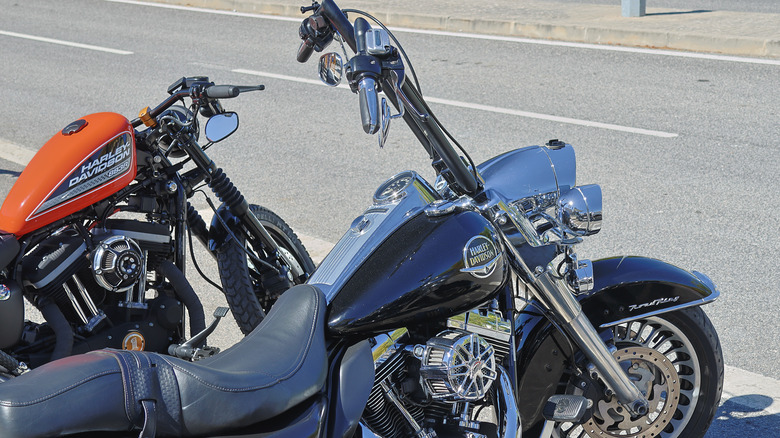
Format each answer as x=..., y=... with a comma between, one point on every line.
x=685, y=149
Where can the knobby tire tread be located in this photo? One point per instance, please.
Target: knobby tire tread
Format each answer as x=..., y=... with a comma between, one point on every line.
x=234, y=271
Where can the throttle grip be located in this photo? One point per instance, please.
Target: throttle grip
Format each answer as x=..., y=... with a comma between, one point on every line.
x=369, y=105
x=222, y=91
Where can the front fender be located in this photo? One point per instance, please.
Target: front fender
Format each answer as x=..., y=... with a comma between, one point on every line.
x=628, y=288
x=218, y=235
x=625, y=288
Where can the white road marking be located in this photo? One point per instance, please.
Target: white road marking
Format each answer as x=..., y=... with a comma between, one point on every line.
x=552, y=118
x=521, y=40
x=493, y=109
x=14, y=153
x=65, y=43
x=209, y=11
x=659, y=52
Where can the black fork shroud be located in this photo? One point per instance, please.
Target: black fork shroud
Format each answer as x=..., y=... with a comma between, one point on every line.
x=626, y=288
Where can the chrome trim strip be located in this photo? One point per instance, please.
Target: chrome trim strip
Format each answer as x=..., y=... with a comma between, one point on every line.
x=714, y=296
x=354, y=248
x=512, y=426
x=139, y=236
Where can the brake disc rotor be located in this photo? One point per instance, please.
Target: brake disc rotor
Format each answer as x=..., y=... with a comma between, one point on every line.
x=655, y=376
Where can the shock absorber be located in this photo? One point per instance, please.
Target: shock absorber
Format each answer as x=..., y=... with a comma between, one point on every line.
x=221, y=185
x=232, y=197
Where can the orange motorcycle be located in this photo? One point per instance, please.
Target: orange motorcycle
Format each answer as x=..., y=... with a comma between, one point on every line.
x=93, y=235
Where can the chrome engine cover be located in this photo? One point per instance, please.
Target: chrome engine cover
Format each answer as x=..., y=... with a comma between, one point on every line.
x=456, y=366
x=117, y=263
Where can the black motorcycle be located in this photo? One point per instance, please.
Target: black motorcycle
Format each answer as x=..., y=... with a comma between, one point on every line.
x=453, y=309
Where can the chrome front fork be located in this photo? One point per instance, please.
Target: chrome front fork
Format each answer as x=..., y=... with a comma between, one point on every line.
x=555, y=293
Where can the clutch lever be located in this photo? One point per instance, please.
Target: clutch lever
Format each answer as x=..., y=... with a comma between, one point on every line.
x=396, y=83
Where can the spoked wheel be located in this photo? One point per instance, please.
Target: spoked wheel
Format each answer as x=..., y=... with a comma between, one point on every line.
x=250, y=288
x=675, y=359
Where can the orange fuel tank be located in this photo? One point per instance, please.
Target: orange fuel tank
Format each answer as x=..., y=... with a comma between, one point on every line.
x=88, y=161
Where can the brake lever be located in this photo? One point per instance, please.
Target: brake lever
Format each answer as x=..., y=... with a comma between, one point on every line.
x=247, y=88
x=396, y=83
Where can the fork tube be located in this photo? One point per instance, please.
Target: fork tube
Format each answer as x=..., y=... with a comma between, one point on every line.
x=239, y=207
x=556, y=295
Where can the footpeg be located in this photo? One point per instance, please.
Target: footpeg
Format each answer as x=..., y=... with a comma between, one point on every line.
x=194, y=349
x=568, y=408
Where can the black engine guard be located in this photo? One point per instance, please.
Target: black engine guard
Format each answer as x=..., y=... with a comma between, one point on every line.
x=626, y=288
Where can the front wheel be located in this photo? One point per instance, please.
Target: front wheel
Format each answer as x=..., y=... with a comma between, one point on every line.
x=676, y=359
x=250, y=290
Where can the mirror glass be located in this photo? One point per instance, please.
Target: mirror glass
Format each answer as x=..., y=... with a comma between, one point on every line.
x=220, y=126
x=331, y=68
x=384, y=122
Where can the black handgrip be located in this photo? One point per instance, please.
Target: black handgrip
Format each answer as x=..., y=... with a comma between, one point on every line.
x=222, y=91
x=304, y=52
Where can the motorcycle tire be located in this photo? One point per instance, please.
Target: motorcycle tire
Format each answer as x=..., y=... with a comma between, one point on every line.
x=687, y=338
x=242, y=281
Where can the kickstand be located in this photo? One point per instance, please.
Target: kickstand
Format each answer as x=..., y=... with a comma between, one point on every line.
x=194, y=349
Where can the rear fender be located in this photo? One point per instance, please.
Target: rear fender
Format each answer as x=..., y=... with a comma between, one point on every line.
x=625, y=289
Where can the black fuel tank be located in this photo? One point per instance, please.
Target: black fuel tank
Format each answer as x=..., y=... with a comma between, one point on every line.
x=429, y=268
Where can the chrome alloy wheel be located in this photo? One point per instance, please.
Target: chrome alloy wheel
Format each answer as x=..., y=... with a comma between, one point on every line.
x=661, y=360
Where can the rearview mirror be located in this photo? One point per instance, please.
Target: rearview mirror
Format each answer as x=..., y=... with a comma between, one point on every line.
x=220, y=126
x=331, y=68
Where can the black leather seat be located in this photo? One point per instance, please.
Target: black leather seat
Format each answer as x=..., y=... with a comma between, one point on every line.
x=277, y=366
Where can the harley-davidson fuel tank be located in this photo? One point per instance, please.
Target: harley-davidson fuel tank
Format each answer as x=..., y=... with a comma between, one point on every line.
x=421, y=265
x=89, y=160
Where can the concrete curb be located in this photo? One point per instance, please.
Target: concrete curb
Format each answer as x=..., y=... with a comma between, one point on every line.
x=731, y=33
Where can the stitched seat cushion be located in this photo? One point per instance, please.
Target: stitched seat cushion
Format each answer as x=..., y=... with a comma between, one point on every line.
x=277, y=366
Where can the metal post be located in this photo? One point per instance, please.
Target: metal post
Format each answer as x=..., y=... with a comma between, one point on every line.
x=633, y=8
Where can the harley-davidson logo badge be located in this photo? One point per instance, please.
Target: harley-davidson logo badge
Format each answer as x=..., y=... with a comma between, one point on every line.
x=480, y=256
x=134, y=341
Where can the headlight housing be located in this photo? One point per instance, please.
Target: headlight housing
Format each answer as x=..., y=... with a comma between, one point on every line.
x=579, y=210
